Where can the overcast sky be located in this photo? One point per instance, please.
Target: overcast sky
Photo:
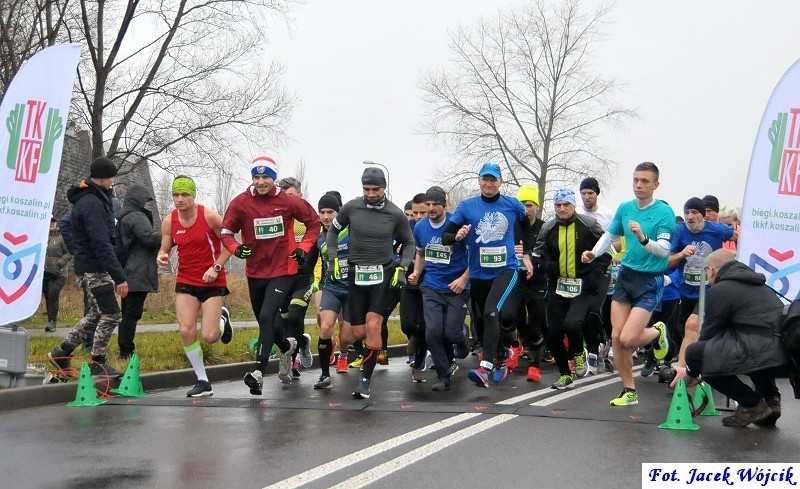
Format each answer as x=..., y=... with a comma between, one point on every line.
x=699, y=75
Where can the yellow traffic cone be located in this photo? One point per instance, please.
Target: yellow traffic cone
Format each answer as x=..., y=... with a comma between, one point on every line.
x=131, y=384
x=86, y=395
x=680, y=411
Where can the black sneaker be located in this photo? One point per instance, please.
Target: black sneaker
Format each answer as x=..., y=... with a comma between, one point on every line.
x=60, y=359
x=227, y=333
x=362, y=389
x=324, y=382
x=253, y=380
x=200, y=389
x=103, y=369
x=441, y=384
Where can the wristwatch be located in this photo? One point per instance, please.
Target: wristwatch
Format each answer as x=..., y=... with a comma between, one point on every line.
x=217, y=267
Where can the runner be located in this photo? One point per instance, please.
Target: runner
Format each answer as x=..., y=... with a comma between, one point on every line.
x=263, y=214
x=492, y=262
x=201, y=283
x=374, y=222
x=651, y=224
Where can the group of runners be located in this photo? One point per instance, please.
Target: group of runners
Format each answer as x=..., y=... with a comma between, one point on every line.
x=581, y=288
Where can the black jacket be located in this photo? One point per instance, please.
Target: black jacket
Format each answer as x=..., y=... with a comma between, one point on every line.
x=742, y=318
x=140, y=239
x=93, y=234
x=548, y=250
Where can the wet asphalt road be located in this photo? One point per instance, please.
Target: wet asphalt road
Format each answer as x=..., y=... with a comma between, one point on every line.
x=516, y=434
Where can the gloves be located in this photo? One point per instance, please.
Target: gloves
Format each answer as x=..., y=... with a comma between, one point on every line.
x=298, y=255
x=334, y=272
x=242, y=251
x=399, y=277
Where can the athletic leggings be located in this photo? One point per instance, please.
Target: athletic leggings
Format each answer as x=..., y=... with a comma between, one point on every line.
x=488, y=299
x=267, y=297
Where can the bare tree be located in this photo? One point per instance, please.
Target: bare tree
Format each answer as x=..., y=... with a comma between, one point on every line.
x=522, y=92
x=178, y=83
x=225, y=190
x=300, y=174
x=163, y=194
x=26, y=27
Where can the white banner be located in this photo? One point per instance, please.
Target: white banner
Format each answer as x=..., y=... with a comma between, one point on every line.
x=34, y=112
x=769, y=236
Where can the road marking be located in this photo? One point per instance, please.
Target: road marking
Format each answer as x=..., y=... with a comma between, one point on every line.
x=545, y=391
x=323, y=470
x=368, y=477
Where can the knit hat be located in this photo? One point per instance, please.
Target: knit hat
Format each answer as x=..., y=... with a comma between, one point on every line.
x=528, y=193
x=436, y=194
x=695, y=204
x=103, y=167
x=711, y=202
x=264, y=165
x=288, y=182
x=564, y=194
x=184, y=185
x=590, y=183
x=335, y=194
x=373, y=176
x=328, y=201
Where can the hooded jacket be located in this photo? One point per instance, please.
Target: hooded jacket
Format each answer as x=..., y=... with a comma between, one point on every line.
x=742, y=319
x=93, y=234
x=140, y=239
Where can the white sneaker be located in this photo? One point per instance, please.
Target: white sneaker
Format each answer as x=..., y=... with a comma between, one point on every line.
x=285, y=362
x=306, y=358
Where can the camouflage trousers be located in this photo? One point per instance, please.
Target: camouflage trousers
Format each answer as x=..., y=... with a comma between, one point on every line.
x=104, y=313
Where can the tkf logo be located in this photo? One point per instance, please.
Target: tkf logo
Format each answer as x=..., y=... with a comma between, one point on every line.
x=784, y=164
x=32, y=152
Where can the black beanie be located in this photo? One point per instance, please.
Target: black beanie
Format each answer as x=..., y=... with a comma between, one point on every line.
x=328, y=201
x=103, y=167
x=590, y=183
x=695, y=204
x=436, y=194
x=335, y=194
x=711, y=202
x=373, y=176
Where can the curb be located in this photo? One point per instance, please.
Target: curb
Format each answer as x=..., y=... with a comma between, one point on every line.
x=43, y=395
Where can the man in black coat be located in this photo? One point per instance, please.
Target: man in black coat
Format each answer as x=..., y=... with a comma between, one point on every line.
x=140, y=242
x=96, y=264
x=739, y=337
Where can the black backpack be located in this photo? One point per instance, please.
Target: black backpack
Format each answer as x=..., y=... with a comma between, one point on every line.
x=790, y=337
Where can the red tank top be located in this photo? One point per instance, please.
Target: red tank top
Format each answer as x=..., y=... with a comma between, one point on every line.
x=198, y=249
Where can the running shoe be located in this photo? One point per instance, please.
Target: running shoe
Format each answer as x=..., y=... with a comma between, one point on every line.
x=285, y=362
x=500, y=371
x=227, y=329
x=441, y=384
x=417, y=375
x=254, y=380
x=649, y=365
x=383, y=358
x=591, y=364
x=60, y=359
x=306, y=358
x=410, y=360
x=548, y=357
x=580, y=364
x=296, y=368
x=341, y=364
x=534, y=374
x=513, y=361
x=362, y=389
x=563, y=382
x=477, y=348
x=453, y=368
x=103, y=369
x=357, y=362
x=628, y=397
x=480, y=375
x=324, y=382
x=662, y=345
x=201, y=388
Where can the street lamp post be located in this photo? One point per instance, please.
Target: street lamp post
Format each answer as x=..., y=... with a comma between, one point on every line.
x=373, y=163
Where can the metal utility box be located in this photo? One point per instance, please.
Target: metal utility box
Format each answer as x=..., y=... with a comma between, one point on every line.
x=13, y=350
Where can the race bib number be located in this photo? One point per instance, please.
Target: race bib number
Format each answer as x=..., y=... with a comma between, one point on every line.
x=569, y=287
x=369, y=274
x=344, y=270
x=436, y=253
x=691, y=276
x=268, y=227
x=493, y=256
